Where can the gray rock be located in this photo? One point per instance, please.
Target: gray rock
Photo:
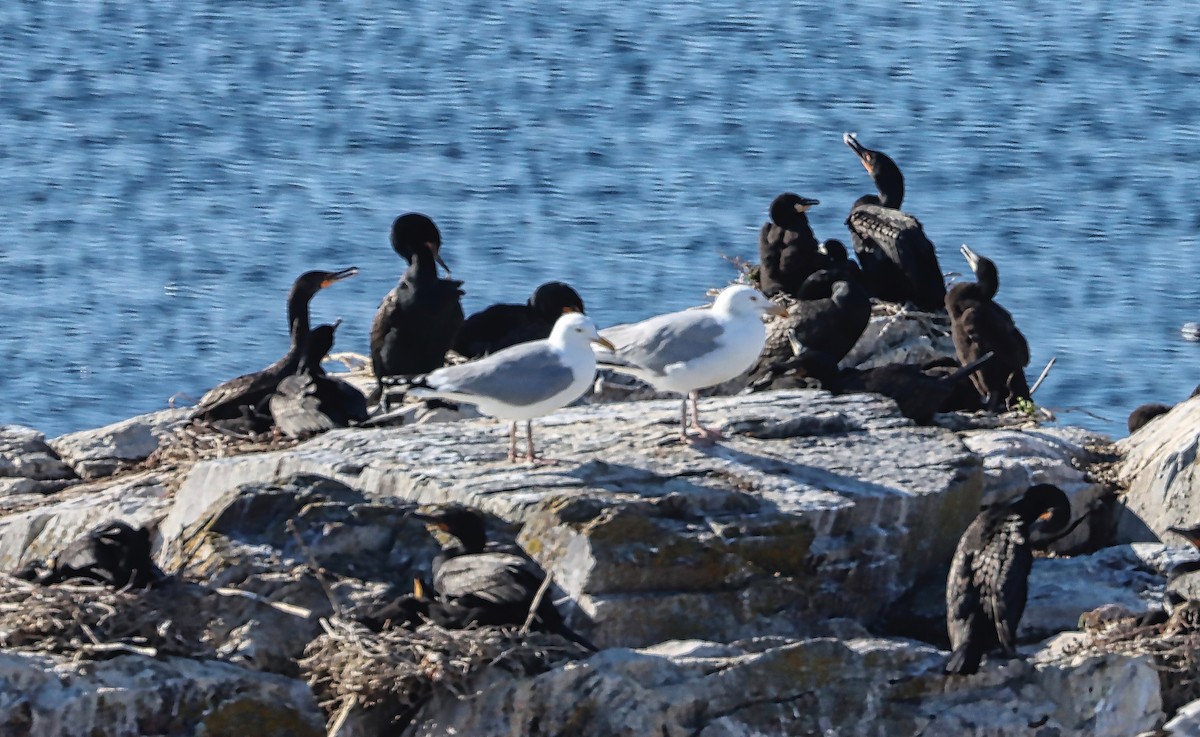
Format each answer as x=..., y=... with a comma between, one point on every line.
x=1186, y=722
x=28, y=464
x=862, y=687
x=100, y=452
x=1016, y=458
x=43, y=530
x=815, y=506
x=133, y=695
x=907, y=336
x=1159, y=469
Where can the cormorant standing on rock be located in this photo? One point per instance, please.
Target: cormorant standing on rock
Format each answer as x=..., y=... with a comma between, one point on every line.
x=988, y=581
x=979, y=325
x=898, y=262
x=787, y=248
x=473, y=587
x=416, y=322
x=502, y=325
x=243, y=397
x=309, y=401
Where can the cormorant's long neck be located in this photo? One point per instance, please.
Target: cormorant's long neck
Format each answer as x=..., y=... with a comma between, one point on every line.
x=890, y=183
x=298, y=316
x=423, y=269
x=987, y=278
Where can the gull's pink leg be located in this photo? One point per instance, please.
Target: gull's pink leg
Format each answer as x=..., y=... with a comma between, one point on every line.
x=512, y=443
x=707, y=435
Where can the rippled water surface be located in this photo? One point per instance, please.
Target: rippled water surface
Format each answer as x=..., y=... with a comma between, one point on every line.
x=168, y=168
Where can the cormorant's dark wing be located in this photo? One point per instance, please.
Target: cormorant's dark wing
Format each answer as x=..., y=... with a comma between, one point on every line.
x=900, y=237
x=996, y=331
x=498, y=327
x=224, y=400
x=296, y=408
x=381, y=327
x=497, y=578
x=962, y=592
x=1002, y=571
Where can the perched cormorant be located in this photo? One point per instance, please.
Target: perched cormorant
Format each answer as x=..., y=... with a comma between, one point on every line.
x=988, y=581
x=898, y=262
x=1143, y=413
x=523, y=381
x=416, y=322
x=113, y=553
x=834, y=265
x=473, y=587
x=309, y=401
x=979, y=325
x=244, y=397
x=690, y=350
x=831, y=325
x=502, y=325
x=787, y=249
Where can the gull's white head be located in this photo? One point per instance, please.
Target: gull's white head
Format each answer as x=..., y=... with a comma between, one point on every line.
x=576, y=328
x=741, y=299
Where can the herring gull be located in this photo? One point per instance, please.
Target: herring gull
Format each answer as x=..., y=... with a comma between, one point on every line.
x=523, y=381
x=687, y=351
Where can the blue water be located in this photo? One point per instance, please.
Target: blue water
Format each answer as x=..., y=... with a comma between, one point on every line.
x=168, y=168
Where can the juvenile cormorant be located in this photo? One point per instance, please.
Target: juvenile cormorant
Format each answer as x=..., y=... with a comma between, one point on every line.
x=309, y=401
x=898, y=262
x=979, y=325
x=474, y=587
x=113, y=553
x=502, y=325
x=523, y=381
x=245, y=397
x=416, y=322
x=690, y=350
x=787, y=249
x=831, y=325
x=988, y=581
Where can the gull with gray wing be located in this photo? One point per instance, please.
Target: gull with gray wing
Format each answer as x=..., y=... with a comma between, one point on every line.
x=523, y=381
x=690, y=350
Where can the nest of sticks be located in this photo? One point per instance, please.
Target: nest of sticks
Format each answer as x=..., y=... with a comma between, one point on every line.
x=92, y=622
x=387, y=676
x=1173, y=647
x=198, y=441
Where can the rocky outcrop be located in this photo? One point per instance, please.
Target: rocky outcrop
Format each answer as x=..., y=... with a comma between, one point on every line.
x=28, y=465
x=857, y=686
x=135, y=695
x=100, y=452
x=815, y=506
x=1159, y=469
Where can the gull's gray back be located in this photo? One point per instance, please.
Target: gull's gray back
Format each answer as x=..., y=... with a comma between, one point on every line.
x=519, y=376
x=659, y=342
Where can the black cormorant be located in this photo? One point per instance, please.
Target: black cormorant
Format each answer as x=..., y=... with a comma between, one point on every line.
x=473, y=587
x=898, y=262
x=416, y=322
x=309, y=401
x=113, y=553
x=244, y=397
x=787, y=249
x=502, y=325
x=988, y=581
x=979, y=325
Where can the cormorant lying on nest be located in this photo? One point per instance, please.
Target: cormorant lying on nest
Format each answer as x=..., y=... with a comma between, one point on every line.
x=417, y=321
x=979, y=325
x=473, y=587
x=501, y=325
x=114, y=554
x=244, y=398
x=898, y=262
x=309, y=401
x=988, y=581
